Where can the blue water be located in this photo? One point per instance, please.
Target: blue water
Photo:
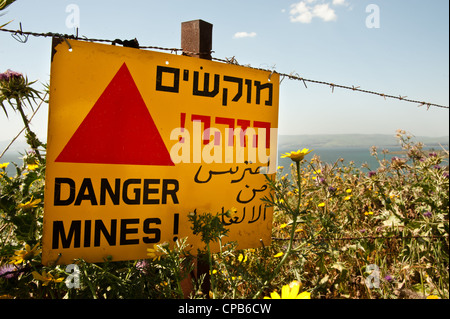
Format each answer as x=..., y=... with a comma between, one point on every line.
x=359, y=156
x=11, y=158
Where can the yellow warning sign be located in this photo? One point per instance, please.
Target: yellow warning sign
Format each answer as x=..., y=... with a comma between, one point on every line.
x=137, y=140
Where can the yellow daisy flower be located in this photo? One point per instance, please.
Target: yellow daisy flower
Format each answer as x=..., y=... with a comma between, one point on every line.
x=32, y=167
x=46, y=278
x=154, y=253
x=24, y=255
x=242, y=258
x=30, y=204
x=290, y=291
x=297, y=156
x=4, y=165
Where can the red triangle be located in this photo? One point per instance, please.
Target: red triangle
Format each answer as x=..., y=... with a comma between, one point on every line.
x=118, y=129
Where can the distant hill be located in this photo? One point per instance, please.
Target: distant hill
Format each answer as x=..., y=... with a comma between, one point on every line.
x=352, y=140
x=307, y=141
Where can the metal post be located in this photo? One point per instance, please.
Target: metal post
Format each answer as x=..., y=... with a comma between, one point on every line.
x=196, y=41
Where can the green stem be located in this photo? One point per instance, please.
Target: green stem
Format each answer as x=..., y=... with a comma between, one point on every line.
x=294, y=223
x=22, y=114
x=177, y=261
x=88, y=282
x=31, y=136
x=179, y=288
x=291, y=239
x=213, y=288
x=299, y=184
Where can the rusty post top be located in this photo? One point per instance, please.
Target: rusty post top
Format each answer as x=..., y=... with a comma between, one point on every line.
x=196, y=39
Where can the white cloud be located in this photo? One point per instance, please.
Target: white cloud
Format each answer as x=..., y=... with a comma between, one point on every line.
x=239, y=35
x=305, y=10
x=324, y=12
x=300, y=12
x=340, y=3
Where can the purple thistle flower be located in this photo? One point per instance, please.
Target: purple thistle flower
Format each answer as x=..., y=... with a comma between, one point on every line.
x=8, y=271
x=142, y=265
x=9, y=74
x=13, y=74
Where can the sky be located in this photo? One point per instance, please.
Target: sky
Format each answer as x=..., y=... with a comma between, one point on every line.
x=397, y=47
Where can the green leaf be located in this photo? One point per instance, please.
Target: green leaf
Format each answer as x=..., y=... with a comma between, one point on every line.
x=3, y=107
x=392, y=221
x=324, y=280
x=339, y=266
x=5, y=3
x=354, y=247
x=1, y=26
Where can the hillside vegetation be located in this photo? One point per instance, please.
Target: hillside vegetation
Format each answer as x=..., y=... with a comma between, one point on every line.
x=354, y=140
x=339, y=231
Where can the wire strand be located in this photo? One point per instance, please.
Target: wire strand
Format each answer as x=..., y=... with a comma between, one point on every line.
x=323, y=239
x=291, y=76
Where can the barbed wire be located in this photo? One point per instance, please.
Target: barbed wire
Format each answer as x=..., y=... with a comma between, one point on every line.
x=323, y=239
x=296, y=76
x=17, y=33
x=22, y=36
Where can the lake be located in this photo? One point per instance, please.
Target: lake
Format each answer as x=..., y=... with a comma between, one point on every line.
x=330, y=155
x=11, y=157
